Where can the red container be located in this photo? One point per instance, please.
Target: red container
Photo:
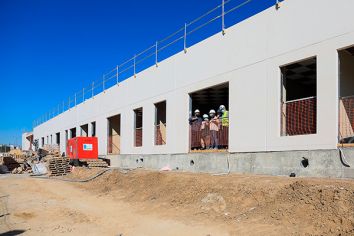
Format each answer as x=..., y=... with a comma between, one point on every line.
x=82, y=148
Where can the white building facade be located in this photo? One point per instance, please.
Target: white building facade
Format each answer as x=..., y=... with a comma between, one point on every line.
x=249, y=57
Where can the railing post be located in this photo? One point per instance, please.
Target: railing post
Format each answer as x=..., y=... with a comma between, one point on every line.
x=223, y=17
x=134, y=66
x=58, y=108
x=63, y=106
x=69, y=104
x=103, y=83
x=75, y=99
x=93, y=86
x=156, y=51
x=185, y=38
x=117, y=74
x=83, y=95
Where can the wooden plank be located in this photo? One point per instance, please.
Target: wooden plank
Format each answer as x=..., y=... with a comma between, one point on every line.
x=345, y=145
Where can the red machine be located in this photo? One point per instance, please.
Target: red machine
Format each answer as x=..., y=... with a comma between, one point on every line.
x=82, y=148
x=83, y=151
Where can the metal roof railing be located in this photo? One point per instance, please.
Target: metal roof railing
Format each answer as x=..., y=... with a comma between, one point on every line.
x=150, y=56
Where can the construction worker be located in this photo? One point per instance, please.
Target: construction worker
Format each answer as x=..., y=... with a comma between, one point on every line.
x=214, y=126
x=224, y=132
x=195, y=122
x=205, y=132
x=224, y=116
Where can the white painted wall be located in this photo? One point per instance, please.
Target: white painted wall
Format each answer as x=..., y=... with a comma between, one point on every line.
x=26, y=144
x=248, y=56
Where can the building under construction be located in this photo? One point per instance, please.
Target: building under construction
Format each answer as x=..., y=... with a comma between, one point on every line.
x=285, y=75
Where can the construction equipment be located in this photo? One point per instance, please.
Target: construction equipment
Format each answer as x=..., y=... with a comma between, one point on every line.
x=83, y=151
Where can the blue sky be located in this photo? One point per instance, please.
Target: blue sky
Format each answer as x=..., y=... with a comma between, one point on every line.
x=50, y=49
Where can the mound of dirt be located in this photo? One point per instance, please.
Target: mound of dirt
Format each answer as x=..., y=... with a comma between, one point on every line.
x=326, y=208
x=311, y=206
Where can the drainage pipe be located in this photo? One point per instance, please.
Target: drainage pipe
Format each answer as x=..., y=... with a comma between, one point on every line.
x=342, y=157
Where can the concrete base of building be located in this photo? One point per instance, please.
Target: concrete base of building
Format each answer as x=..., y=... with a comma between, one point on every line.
x=316, y=163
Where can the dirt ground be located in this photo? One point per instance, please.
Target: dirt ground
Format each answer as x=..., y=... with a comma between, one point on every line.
x=172, y=203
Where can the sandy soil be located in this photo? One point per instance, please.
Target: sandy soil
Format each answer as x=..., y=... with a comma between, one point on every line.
x=153, y=203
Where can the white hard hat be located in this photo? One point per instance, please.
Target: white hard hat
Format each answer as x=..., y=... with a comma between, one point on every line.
x=205, y=116
x=222, y=107
x=212, y=111
x=196, y=111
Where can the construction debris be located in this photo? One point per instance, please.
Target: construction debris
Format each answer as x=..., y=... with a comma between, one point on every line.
x=96, y=163
x=47, y=160
x=14, y=162
x=59, y=166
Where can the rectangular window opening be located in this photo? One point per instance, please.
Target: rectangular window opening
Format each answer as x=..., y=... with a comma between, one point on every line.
x=160, y=123
x=114, y=134
x=84, y=130
x=346, y=95
x=73, y=133
x=66, y=138
x=209, y=118
x=57, y=138
x=299, y=98
x=138, y=127
x=93, y=129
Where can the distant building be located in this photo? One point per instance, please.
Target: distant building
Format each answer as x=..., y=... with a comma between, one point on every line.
x=27, y=141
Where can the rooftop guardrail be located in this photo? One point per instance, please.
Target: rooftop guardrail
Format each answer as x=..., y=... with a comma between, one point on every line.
x=176, y=42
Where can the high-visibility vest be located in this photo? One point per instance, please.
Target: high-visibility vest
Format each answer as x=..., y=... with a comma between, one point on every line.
x=225, y=119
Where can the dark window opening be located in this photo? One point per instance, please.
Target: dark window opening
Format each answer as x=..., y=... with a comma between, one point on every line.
x=57, y=138
x=84, y=130
x=346, y=95
x=66, y=138
x=299, y=101
x=93, y=129
x=42, y=142
x=138, y=127
x=160, y=123
x=114, y=134
x=209, y=118
x=73, y=133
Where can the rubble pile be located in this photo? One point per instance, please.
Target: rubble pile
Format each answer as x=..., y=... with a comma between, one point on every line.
x=46, y=160
x=37, y=162
x=14, y=163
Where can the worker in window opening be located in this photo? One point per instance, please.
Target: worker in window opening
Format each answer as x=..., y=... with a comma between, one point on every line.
x=219, y=112
x=224, y=132
x=214, y=126
x=205, y=132
x=220, y=134
x=195, y=123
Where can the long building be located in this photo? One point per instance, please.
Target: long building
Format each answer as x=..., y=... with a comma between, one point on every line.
x=285, y=75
